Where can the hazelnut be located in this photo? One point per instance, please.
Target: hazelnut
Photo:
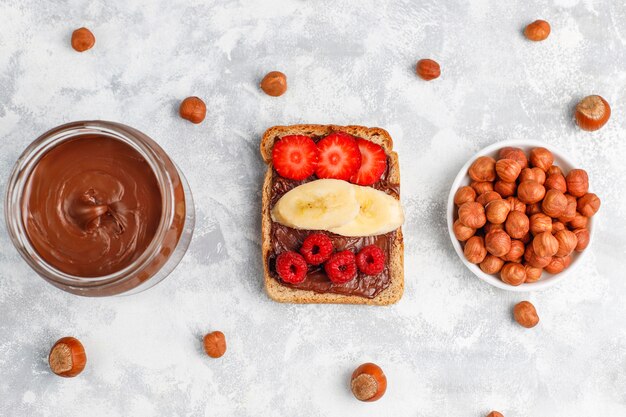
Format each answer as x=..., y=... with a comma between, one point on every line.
x=483, y=169
x=533, y=260
x=474, y=250
x=567, y=242
x=556, y=265
x=588, y=205
x=491, y=264
x=192, y=109
x=497, y=242
x=582, y=239
x=579, y=221
x=472, y=214
x=464, y=195
x=513, y=273
x=577, y=182
x=368, y=382
x=508, y=170
x=557, y=227
x=482, y=187
x=490, y=226
x=556, y=182
x=554, y=203
x=497, y=211
x=541, y=158
x=592, y=112
x=540, y=223
x=570, y=211
x=67, y=357
x=517, y=224
x=553, y=170
x=427, y=69
x=525, y=314
x=274, y=84
x=530, y=192
x=533, y=209
x=505, y=189
x=537, y=30
x=215, y=344
x=516, y=252
x=516, y=205
x=545, y=244
x=83, y=39
x=532, y=174
x=495, y=414
x=532, y=274
x=486, y=198
x=462, y=232
x=516, y=154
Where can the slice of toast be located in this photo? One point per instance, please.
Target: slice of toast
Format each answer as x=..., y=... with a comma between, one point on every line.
x=285, y=294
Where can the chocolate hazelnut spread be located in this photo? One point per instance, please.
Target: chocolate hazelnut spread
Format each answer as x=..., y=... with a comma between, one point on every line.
x=91, y=206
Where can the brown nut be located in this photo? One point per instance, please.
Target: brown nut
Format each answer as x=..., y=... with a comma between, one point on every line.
x=475, y=250
x=557, y=227
x=556, y=182
x=570, y=211
x=83, y=39
x=577, y=182
x=505, y=189
x=508, y=170
x=491, y=264
x=215, y=344
x=582, y=239
x=530, y=192
x=541, y=158
x=513, y=273
x=545, y=244
x=486, y=198
x=427, y=69
x=67, y=357
x=532, y=274
x=472, y=215
x=517, y=224
x=553, y=170
x=533, y=209
x=579, y=222
x=464, y=195
x=538, y=30
x=483, y=169
x=497, y=211
x=567, y=242
x=482, y=187
x=588, y=205
x=592, y=112
x=556, y=266
x=462, y=232
x=516, y=154
x=516, y=204
x=536, y=261
x=540, y=223
x=274, y=83
x=516, y=252
x=368, y=382
x=554, y=204
x=488, y=227
x=192, y=109
x=525, y=314
x=495, y=414
x=498, y=242
x=533, y=174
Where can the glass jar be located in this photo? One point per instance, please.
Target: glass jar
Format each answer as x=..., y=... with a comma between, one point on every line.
x=165, y=250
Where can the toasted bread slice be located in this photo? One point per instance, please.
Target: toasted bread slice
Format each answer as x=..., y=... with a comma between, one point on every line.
x=285, y=294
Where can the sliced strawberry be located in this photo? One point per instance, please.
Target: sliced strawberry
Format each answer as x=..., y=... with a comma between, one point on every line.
x=339, y=156
x=295, y=157
x=373, y=163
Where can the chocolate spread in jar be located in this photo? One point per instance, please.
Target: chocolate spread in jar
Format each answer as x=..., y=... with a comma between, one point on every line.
x=91, y=206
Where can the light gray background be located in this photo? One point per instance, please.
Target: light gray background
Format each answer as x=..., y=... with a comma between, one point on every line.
x=450, y=347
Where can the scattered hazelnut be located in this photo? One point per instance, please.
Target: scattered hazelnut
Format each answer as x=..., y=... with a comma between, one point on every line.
x=483, y=169
x=557, y=227
x=533, y=174
x=508, y=170
x=556, y=182
x=579, y=221
x=530, y=192
x=540, y=223
x=495, y=414
x=462, y=232
x=482, y=187
x=427, y=69
x=525, y=314
x=567, y=242
x=534, y=260
x=498, y=242
x=553, y=170
x=577, y=182
x=215, y=344
x=517, y=224
x=486, y=198
x=554, y=203
x=582, y=239
x=516, y=205
x=472, y=214
x=592, y=112
x=464, y=195
x=475, y=250
x=192, y=109
x=497, y=211
x=368, y=382
x=274, y=83
x=570, y=211
x=588, y=205
x=532, y=274
x=545, y=244
x=513, y=273
x=83, y=39
x=505, y=189
x=491, y=264
x=533, y=208
x=556, y=265
x=516, y=154
x=537, y=31
x=67, y=357
x=516, y=252
x=541, y=158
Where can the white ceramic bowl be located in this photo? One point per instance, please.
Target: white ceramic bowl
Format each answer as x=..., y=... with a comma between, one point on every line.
x=547, y=280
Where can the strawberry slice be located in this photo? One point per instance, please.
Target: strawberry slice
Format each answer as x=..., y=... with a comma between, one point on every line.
x=340, y=157
x=295, y=157
x=373, y=163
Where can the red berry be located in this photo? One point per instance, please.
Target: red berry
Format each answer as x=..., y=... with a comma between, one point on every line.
x=291, y=267
x=371, y=260
x=339, y=156
x=341, y=267
x=373, y=163
x=316, y=248
x=295, y=157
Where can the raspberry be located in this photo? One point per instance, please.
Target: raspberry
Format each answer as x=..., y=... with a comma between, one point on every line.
x=371, y=260
x=341, y=267
x=291, y=267
x=316, y=248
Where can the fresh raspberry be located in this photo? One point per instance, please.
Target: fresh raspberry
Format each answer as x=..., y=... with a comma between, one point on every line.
x=341, y=267
x=295, y=157
x=373, y=163
x=316, y=248
x=371, y=260
x=339, y=156
x=291, y=267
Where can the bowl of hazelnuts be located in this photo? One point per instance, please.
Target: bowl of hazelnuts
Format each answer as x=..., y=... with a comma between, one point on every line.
x=520, y=215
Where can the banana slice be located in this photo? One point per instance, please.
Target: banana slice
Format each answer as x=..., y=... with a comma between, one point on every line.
x=379, y=213
x=317, y=205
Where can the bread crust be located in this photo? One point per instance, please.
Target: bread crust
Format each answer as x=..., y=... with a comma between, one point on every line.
x=284, y=294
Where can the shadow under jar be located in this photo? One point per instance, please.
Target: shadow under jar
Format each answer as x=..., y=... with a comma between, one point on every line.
x=98, y=208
